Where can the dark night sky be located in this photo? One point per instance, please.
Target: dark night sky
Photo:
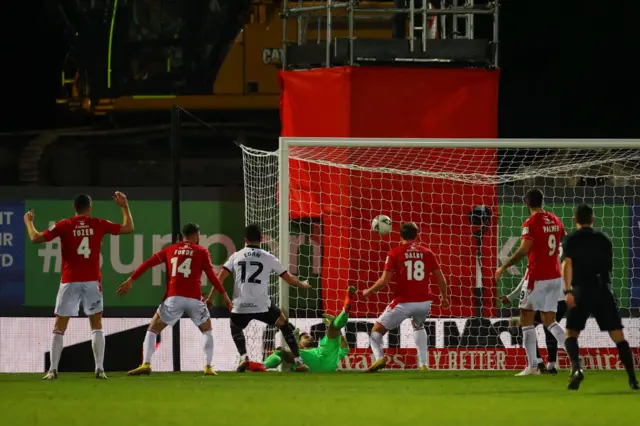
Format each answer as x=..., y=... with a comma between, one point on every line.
x=566, y=70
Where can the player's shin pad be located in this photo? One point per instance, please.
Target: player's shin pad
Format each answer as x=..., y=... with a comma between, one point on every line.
x=273, y=360
x=341, y=320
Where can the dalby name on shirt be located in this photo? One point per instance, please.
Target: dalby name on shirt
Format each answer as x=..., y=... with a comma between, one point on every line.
x=413, y=255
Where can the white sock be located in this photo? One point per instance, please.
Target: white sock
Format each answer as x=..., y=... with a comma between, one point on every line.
x=420, y=337
x=149, y=346
x=207, y=344
x=529, y=339
x=56, y=349
x=558, y=332
x=98, y=344
x=376, y=345
x=551, y=365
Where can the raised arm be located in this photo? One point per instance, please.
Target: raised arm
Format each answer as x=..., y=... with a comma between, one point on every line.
x=222, y=275
x=567, y=270
x=382, y=282
x=444, y=293
x=294, y=281
x=521, y=253
x=35, y=236
x=215, y=282
x=127, y=220
x=508, y=299
x=567, y=279
x=155, y=260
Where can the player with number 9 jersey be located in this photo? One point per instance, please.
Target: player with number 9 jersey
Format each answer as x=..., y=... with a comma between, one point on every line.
x=546, y=231
x=542, y=287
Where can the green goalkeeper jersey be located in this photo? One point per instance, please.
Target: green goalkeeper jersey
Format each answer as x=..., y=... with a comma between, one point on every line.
x=326, y=357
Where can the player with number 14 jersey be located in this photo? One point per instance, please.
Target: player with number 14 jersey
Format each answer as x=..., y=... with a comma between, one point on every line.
x=185, y=262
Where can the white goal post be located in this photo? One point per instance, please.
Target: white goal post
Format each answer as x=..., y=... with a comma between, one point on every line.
x=315, y=198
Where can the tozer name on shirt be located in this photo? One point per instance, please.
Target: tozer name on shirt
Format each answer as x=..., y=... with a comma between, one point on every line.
x=87, y=232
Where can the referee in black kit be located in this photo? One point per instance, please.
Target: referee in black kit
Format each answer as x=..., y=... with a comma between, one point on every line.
x=587, y=263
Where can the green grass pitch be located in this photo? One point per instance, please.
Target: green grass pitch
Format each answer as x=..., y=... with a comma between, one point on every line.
x=347, y=399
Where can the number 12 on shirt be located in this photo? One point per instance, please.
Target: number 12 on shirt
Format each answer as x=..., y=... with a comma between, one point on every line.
x=253, y=279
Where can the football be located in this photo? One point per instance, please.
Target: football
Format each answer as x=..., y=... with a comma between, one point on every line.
x=381, y=224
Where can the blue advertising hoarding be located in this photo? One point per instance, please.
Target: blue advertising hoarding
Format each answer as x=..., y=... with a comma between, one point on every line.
x=12, y=238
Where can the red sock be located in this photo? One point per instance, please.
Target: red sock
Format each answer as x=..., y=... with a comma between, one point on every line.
x=256, y=367
x=347, y=302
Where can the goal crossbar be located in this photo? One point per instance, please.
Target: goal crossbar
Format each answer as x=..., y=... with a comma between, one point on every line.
x=286, y=142
x=284, y=156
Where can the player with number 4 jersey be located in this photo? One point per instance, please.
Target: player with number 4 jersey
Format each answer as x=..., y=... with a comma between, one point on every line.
x=542, y=233
x=411, y=266
x=80, y=242
x=185, y=262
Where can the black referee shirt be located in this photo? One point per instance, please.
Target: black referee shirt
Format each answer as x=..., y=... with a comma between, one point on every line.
x=591, y=254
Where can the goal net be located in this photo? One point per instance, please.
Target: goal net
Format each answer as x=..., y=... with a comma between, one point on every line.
x=315, y=200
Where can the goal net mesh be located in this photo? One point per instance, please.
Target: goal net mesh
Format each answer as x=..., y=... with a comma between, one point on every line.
x=468, y=205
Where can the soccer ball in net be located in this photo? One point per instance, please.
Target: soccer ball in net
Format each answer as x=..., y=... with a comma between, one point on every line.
x=381, y=224
x=466, y=198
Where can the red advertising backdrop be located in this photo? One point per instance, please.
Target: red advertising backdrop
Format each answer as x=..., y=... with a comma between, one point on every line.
x=393, y=103
x=483, y=359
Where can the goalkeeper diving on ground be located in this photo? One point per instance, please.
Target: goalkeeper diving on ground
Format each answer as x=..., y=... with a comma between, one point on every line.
x=330, y=350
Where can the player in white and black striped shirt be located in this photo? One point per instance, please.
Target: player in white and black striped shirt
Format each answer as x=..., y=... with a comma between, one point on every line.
x=252, y=268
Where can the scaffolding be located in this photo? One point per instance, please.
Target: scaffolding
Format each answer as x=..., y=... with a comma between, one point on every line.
x=456, y=42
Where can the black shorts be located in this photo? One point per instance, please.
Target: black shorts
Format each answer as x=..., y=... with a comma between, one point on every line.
x=602, y=307
x=270, y=317
x=562, y=309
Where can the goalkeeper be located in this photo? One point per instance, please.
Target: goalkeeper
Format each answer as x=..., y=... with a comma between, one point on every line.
x=331, y=349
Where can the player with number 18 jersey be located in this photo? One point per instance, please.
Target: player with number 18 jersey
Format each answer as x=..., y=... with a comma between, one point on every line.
x=411, y=266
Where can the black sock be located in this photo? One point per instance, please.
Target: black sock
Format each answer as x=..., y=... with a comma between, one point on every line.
x=624, y=352
x=552, y=346
x=538, y=352
x=573, y=350
x=287, y=332
x=239, y=339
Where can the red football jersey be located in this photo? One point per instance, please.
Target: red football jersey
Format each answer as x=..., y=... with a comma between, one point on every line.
x=80, y=241
x=185, y=262
x=412, y=265
x=546, y=231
